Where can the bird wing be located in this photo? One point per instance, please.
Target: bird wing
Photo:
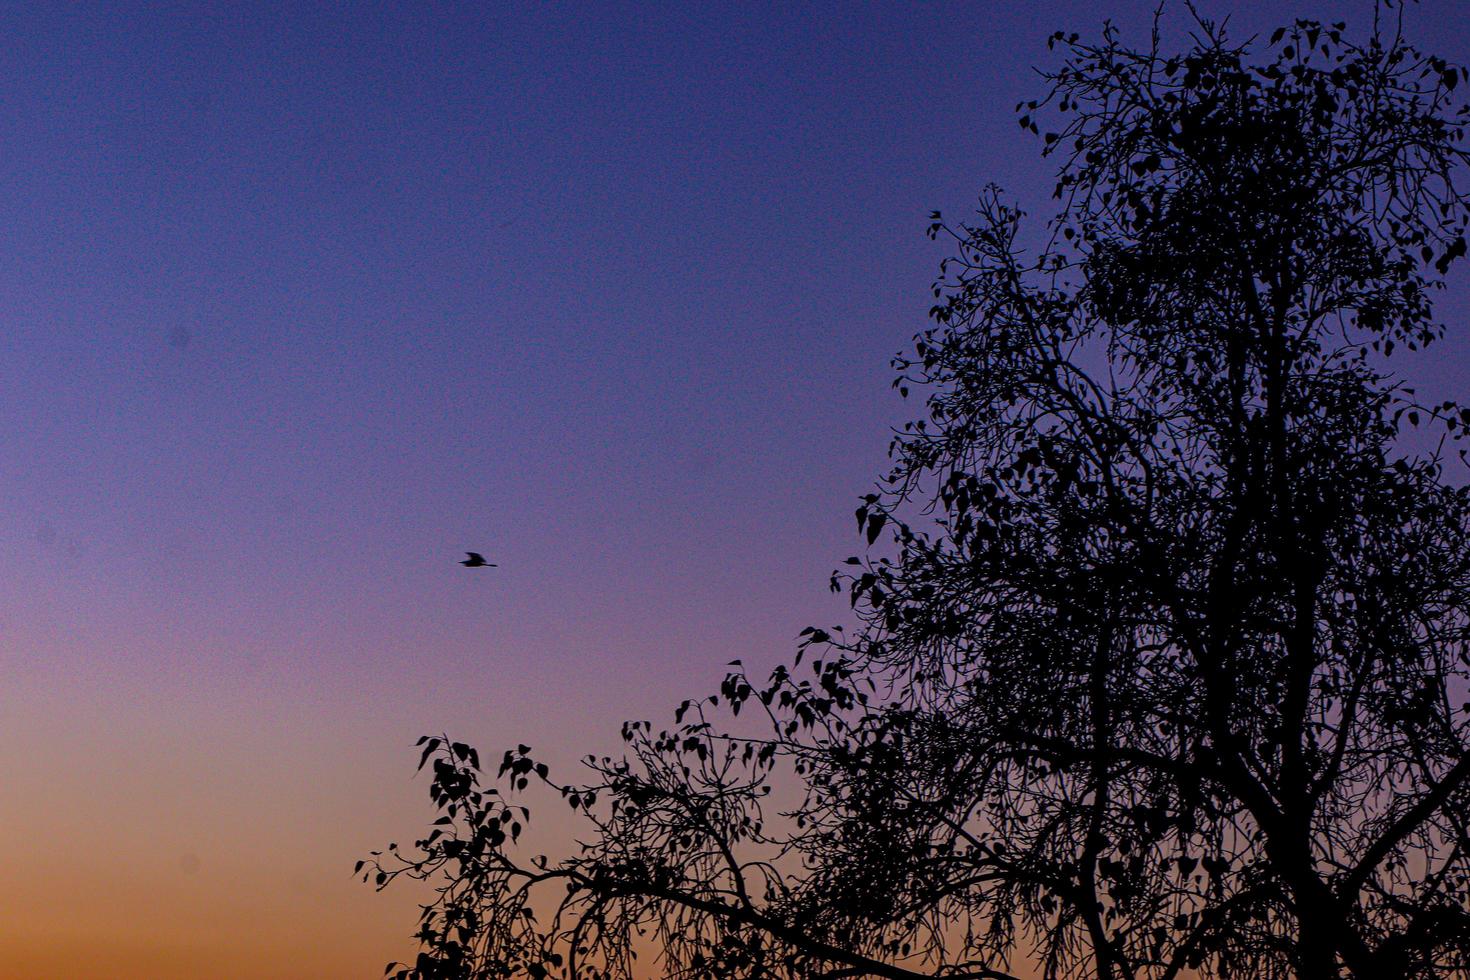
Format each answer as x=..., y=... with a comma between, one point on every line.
x=475, y=556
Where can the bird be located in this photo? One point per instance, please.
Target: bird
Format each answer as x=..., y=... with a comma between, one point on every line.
x=477, y=560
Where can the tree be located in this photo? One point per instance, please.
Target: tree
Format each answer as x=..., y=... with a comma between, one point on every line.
x=1165, y=670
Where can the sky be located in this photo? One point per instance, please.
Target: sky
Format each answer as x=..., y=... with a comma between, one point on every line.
x=300, y=302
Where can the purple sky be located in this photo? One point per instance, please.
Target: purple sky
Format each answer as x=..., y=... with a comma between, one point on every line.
x=300, y=302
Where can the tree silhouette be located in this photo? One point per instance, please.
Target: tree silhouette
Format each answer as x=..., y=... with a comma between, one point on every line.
x=1164, y=673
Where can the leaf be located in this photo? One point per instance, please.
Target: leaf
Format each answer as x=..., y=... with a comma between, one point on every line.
x=1455, y=250
x=875, y=526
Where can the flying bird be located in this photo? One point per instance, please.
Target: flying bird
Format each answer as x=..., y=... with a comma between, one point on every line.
x=477, y=560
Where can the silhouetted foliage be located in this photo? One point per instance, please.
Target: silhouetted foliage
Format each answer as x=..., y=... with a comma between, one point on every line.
x=1165, y=671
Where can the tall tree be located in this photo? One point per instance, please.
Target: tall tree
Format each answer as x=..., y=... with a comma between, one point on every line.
x=1166, y=669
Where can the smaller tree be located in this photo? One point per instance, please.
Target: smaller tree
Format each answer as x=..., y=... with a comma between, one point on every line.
x=1168, y=671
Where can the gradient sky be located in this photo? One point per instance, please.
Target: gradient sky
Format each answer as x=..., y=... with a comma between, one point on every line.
x=299, y=302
